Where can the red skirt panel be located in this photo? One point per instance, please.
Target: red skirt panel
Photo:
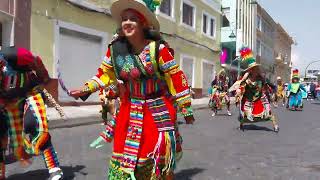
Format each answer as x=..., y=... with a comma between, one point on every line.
x=150, y=132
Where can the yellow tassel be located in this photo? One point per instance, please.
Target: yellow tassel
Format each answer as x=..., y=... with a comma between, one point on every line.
x=168, y=155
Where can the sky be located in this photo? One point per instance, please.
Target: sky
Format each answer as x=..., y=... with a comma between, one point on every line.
x=301, y=19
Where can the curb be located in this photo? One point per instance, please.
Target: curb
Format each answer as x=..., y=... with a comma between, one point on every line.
x=89, y=120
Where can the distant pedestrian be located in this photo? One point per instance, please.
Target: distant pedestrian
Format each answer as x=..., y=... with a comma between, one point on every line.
x=313, y=90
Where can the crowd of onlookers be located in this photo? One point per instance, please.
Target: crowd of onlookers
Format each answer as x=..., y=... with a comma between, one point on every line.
x=313, y=90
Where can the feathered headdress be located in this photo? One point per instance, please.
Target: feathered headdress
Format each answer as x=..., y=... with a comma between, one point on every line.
x=152, y=4
x=247, y=58
x=295, y=73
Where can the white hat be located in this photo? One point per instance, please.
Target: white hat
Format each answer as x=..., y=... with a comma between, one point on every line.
x=278, y=78
x=119, y=6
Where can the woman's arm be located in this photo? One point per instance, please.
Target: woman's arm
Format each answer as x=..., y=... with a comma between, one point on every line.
x=176, y=81
x=105, y=77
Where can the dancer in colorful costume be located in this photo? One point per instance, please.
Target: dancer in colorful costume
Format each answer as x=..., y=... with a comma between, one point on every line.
x=144, y=135
x=280, y=92
x=295, y=89
x=219, y=95
x=254, y=104
x=23, y=111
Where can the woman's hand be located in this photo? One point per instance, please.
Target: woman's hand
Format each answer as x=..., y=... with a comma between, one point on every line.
x=77, y=93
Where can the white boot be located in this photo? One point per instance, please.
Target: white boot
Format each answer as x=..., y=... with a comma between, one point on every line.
x=56, y=174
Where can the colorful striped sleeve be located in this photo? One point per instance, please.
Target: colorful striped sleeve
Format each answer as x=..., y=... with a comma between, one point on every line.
x=176, y=80
x=104, y=77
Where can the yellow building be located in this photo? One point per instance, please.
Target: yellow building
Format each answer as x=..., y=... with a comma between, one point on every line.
x=75, y=33
x=192, y=28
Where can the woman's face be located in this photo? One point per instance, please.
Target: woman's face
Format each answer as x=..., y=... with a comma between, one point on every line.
x=131, y=23
x=255, y=72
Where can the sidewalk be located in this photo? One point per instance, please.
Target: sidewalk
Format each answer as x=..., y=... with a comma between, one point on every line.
x=85, y=115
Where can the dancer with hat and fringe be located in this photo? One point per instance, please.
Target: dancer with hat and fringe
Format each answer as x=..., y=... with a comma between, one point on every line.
x=145, y=142
x=250, y=88
x=219, y=96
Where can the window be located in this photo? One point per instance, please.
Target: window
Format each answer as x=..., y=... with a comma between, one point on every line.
x=259, y=22
x=207, y=75
x=212, y=27
x=226, y=17
x=166, y=7
x=259, y=47
x=187, y=65
x=0, y=35
x=205, y=22
x=208, y=25
x=188, y=14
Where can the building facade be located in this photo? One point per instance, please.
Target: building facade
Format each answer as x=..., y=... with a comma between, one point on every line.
x=192, y=29
x=266, y=31
x=238, y=30
x=246, y=23
x=282, y=52
x=15, y=23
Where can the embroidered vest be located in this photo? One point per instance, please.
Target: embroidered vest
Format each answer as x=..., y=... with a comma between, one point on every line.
x=139, y=72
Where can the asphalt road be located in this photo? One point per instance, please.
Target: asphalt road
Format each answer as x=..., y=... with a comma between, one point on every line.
x=214, y=149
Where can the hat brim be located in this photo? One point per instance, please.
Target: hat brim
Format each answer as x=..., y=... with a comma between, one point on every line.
x=119, y=6
x=251, y=67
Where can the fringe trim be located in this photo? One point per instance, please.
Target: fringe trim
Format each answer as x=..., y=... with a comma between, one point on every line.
x=170, y=157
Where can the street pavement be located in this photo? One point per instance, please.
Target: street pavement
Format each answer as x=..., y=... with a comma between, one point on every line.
x=214, y=149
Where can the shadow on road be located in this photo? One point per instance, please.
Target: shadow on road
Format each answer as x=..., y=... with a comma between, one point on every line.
x=187, y=174
x=255, y=127
x=68, y=171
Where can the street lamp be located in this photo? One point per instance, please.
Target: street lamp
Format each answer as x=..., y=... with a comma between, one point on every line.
x=305, y=71
x=232, y=35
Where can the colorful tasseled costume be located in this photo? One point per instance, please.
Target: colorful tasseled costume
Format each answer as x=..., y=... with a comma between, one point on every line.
x=254, y=104
x=146, y=142
x=295, y=92
x=22, y=109
x=219, y=94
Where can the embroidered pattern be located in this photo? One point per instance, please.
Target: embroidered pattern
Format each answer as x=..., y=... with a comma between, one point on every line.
x=132, y=142
x=160, y=114
x=168, y=65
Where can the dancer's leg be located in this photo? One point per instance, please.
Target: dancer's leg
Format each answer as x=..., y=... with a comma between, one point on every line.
x=36, y=125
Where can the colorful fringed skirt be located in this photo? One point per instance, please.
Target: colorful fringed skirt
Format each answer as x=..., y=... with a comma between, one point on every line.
x=255, y=111
x=146, y=142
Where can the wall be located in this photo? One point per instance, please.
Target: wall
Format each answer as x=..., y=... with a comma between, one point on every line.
x=43, y=15
x=22, y=24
